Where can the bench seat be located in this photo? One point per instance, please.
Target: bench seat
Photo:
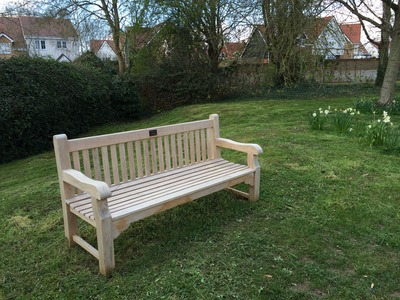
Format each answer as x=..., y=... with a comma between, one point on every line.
x=154, y=191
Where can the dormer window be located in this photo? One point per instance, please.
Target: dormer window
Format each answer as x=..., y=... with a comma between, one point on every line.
x=5, y=48
x=5, y=45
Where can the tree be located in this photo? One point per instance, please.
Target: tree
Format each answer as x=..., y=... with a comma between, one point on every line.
x=388, y=21
x=285, y=22
x=209, y=21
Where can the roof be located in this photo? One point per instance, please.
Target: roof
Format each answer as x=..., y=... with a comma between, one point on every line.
x=18, y=28
x=353, y=32
x=95, y=45
x=141, y=37
x=10, y=27
x=320, y=24
x=231, y=48
x=47, y=27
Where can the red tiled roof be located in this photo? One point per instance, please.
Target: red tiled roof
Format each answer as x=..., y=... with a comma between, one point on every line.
x=352, y=31
x=95, y=45
x=231, y=48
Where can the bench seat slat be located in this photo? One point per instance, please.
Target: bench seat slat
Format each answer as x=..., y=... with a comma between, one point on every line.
x=162, y=188
x=145, y=187
x=77, y=198
x=158, y=188
x=178, y=189
x=80, y=202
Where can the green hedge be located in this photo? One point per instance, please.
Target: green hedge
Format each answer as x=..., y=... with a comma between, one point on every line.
x=40, y=98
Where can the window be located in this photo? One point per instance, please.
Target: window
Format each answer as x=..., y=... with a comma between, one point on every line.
x=5, y=48
x=40, y=45
x=61, y=44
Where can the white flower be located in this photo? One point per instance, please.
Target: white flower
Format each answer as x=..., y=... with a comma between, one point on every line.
x=370, y=126
x=326, y=111
x=314, y=114
x=379, y=120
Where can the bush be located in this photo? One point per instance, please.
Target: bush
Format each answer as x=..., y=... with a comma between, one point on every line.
x=125, y=99
x=41, y=98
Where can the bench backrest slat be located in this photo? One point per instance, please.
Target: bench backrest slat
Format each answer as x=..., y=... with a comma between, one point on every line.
x=120, y=157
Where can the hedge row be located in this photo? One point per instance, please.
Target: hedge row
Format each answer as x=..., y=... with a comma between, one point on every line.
x=40, y=98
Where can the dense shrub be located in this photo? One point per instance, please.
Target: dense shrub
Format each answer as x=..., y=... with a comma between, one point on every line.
x=40, y=98
x=125, y=99
x=89, y=60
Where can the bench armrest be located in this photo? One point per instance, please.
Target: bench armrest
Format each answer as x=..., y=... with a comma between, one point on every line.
x=242, y=147
x=97, y=189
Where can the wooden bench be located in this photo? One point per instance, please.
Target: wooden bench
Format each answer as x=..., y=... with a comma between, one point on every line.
x=113, y=180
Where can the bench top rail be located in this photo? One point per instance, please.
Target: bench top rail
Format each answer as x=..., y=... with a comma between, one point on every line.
x=122, y=157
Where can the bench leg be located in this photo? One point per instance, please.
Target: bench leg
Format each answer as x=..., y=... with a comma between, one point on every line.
x=105, y=241
x=70, y=226
x=105, y=245
x=70, y=220
x=254, y=187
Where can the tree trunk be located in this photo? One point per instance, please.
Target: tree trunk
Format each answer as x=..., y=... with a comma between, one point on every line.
x=383, y=46
x=393, y=66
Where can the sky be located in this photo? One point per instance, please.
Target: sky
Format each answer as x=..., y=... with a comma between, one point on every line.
x=3, y=3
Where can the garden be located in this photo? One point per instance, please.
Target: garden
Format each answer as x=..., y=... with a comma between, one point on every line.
x=326, y=225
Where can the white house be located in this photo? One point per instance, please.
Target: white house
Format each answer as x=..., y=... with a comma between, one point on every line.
x=38, y=36
x=330, y=41
x=103, y=49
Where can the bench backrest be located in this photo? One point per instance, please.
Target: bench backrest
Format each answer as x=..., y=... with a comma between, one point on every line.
x=120, y=157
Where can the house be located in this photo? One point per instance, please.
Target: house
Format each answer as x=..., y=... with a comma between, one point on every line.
x=103, y=49
x=256, y=48
x=325, y=39
x=354, y=34
x=329, y=40
x=38, y=36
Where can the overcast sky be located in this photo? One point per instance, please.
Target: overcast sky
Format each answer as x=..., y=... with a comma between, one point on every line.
x=3, y=3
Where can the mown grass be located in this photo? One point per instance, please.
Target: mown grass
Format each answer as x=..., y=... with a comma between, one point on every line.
x=326, y=225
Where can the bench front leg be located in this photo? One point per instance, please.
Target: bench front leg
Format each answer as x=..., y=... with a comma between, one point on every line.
x=252, y=150
x=70, y=219
x=105, y=241
x=254, y=186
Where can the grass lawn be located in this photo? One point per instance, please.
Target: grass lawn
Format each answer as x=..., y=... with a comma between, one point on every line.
x=326, y=226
